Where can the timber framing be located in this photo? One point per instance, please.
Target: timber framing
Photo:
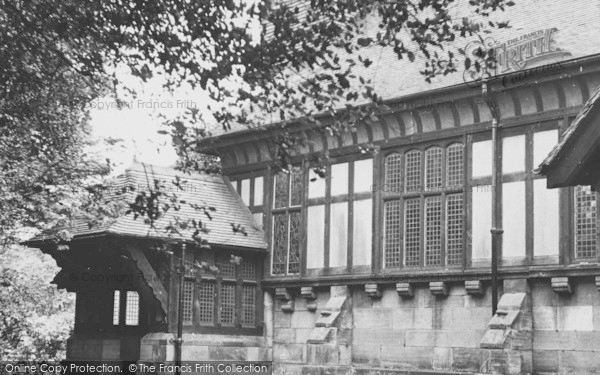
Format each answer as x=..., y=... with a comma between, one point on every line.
x=452, y=115
x=450, y=110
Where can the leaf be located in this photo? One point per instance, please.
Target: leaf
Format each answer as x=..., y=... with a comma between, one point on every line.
x=343, y=81
x=364, y=42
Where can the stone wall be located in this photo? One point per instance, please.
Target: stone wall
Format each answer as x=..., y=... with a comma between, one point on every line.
x=551, y=331
x=566, y=336
x=291, y=332
x=425, y=332
x=96, y=349
x=543, y=326
x=159, y=347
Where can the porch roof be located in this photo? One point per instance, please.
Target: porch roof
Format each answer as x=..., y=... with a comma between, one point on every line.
x=574, y=160
x=197, y=190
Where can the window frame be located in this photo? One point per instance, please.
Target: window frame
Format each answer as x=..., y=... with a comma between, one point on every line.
x=575, y=258
x=400, y=195
x=123, y=309
x=215, y=257
x=529, y=177
x=251, y=205
x=287, y=210
x=350, y=197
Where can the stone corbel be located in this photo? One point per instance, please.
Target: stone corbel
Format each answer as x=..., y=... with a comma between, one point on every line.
x=308, y=293
x=373, y=290
x=474, y=287
x=561, y=285
x=285, y=298
x=405, y=290
x=438, y=288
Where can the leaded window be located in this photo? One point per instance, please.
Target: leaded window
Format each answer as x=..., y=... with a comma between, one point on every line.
x=433, y=168
x=295, y=242
x=248, y=305
x=455, y=165
x=132, y=308
x=412, y=232
x=206, y=298
x=225, y=297
x=586, y=229
x=423, y=222
x=227, y=304
x=393, y=233
x=454, y=228
x=188, y=301
x=116, y=307
x=393, y=173
x=412, y=171
x=126, y=308
x=433, y=231
x=287, y=222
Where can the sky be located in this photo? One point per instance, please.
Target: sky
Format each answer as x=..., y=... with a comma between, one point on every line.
x=136, y=121
x=137, y=127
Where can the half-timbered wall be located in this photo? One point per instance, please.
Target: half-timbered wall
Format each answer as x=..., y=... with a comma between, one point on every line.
x=412, y=189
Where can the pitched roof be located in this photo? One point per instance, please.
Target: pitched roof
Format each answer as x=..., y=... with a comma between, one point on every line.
x=577, y=28
x=569, y=136
x=196, y=190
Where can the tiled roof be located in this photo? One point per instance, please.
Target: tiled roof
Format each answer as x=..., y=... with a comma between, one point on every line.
x=577, y=24
x=577, y=34
x=592, y=104
x=198, y=189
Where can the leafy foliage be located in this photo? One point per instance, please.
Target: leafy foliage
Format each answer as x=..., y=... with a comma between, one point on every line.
x=36, y=318
x=279, y=59
x=43, y=130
